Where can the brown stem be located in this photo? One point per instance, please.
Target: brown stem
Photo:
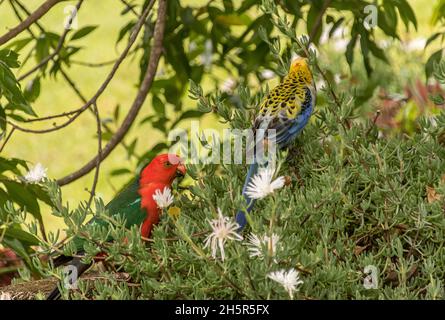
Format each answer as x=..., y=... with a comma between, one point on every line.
x=36, y=15
x=7, y=139
x=155, y=56
x=99, y=155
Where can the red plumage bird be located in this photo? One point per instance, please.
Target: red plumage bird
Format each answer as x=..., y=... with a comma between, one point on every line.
x=135, y=203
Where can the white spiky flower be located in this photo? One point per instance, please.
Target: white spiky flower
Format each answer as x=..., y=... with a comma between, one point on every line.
x=5, y=296
x=262, y=185
x=36, y=174
x=223, y=229
x=290, y=280
x=163, y=198
x=257, y=243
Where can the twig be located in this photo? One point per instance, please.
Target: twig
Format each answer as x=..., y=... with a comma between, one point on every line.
x=58, y=48
x=32, y=18
x=130, y=7
x=374, y=121
x=99, y=155
x=7, y=139
x=97, y=64
x=137, y=103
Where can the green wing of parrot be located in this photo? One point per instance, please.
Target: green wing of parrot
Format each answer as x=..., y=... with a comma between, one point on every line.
x=126, y=204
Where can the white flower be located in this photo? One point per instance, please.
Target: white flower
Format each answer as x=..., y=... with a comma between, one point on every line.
x=262, y=185
x=206, y=56
x=290, y=280
x=416, y=44
x=257, y=243
x=5, y=296
x=267, y=74
x=36, y=174
x=163, y=199
x=228, y=85
x=340, y=44
x=222, y=230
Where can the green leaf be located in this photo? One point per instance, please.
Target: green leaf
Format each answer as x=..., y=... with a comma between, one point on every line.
x=247, y=4
x=10, y=88
x=233, y=20
x=116, y=112
x=83, y=32
x=17, y=246
x=24, y=237
x=18, y=45
x=187, y=115
x=40, y=193
x=2, y=120
x=386, y=23
x=432, y=38
x=10, y=58
x=438, y=12
x=335, y=26
x=158, y=105
x=311, y=24
x=228, y=5
x=42, y=50
x=12, y=165
x=350, y=48
x=119, y=172
x=131, y=147
x=21, y=194
x=147, y=119
x=126, y=29
x=32, y=89
x=434, y=58
x=406, y=13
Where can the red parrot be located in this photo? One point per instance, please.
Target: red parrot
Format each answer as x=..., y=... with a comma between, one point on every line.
x=135, y=203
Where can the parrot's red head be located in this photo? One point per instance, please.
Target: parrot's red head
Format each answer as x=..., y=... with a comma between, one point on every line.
x=163, y=169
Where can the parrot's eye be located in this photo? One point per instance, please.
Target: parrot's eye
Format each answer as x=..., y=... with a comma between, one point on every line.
x=167, y=164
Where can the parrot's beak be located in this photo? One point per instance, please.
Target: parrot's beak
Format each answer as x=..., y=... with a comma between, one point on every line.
x=180, y=170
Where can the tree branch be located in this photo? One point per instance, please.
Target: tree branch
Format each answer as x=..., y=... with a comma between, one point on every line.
x=155, y=56
x=36, y=15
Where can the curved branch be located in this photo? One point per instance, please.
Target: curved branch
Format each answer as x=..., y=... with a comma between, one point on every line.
x=36, y=15
x=155, y=56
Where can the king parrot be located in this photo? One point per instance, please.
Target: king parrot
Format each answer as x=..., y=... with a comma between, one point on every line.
x=135, y=203
x=286, y=109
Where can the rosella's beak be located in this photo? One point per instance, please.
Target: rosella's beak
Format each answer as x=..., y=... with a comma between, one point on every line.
x=180, y=170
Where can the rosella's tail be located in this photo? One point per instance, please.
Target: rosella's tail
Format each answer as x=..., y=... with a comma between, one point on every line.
x=240, y=215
